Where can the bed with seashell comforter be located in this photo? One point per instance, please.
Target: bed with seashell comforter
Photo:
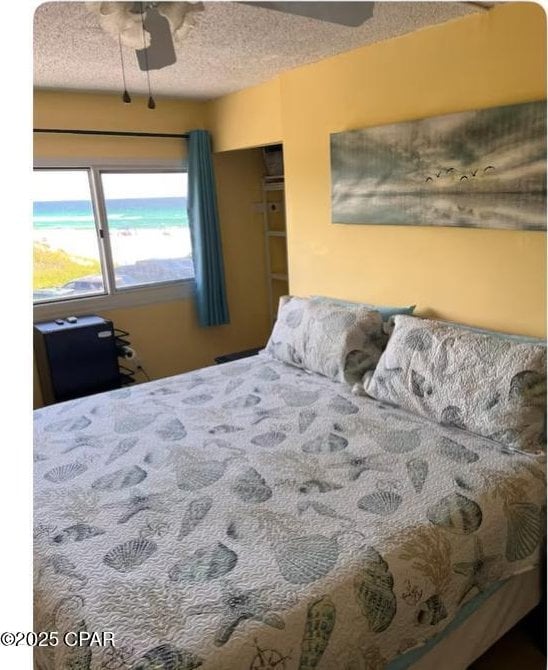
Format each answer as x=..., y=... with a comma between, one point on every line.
x=252, y=515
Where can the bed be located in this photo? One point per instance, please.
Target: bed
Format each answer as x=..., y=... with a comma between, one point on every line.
x=255, y=515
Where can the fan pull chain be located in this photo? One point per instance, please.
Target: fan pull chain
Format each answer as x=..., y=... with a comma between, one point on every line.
x=125, y=96
x=150, y=104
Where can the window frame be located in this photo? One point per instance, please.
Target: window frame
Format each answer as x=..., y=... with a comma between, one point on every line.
x=112, y=298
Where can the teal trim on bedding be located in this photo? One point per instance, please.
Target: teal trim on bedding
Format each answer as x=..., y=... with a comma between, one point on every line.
x=413, y=655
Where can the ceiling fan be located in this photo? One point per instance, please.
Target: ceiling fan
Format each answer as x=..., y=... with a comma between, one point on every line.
x=151, y=28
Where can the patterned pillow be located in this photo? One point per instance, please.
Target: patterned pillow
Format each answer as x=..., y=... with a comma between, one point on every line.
x=335, y=341
x=489, y=385
x=385, y=311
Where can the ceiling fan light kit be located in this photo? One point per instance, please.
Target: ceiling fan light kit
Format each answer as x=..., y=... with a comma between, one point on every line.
x=125, y=18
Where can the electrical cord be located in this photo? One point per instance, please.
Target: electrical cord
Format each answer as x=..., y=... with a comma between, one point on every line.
x=142, y=369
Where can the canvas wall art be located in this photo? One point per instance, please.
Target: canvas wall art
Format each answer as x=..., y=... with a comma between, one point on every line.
x=478, y=169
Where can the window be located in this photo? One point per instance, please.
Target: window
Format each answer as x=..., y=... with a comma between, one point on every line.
x=65, y=243
x=101, y=233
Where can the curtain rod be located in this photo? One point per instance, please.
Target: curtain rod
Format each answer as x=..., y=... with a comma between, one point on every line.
x=62, y=131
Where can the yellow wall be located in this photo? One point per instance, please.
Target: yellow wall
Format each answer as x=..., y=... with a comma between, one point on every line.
x=92, y=111
x=490, y=278
x=247, y=118
x=167, y=335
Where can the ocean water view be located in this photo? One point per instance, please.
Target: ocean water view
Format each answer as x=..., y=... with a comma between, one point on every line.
x=122, y=213
x=149, y=238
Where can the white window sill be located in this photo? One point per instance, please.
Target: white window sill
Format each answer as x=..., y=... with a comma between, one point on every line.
x=131, y=297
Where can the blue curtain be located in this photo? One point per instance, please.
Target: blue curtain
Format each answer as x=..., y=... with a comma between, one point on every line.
x=203, y=218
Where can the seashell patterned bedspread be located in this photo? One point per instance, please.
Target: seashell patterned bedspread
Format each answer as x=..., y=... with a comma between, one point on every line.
x=252, y=515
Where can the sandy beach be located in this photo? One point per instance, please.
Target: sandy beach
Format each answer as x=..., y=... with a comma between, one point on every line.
x=128, y=246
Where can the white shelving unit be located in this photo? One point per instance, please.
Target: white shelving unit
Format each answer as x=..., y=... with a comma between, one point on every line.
x=275, y=241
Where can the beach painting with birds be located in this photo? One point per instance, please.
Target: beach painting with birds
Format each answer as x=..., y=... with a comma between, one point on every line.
x=477, y=169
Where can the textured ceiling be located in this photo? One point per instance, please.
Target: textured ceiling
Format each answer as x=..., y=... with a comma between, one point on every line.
x=232, y=46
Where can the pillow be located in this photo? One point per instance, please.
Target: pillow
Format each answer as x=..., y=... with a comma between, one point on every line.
x=331, y=340
x=483, y=383
x=385, y=311
x=496, y=333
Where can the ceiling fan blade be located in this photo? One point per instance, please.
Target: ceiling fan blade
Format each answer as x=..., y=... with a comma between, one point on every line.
x=161, y=51
x=344, y=13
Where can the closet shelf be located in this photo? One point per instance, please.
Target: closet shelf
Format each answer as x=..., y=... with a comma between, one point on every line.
x=275, y=239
